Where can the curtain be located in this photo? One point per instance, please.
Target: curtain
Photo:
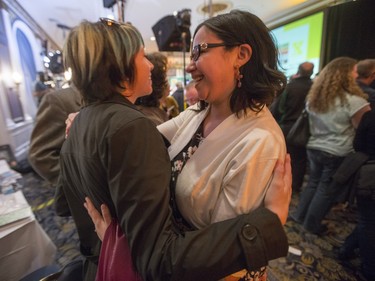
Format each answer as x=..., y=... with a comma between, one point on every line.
x=349, y=31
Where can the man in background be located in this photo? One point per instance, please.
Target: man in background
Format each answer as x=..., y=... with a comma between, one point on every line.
x=366, y=76
x=292, y=102
x=178, y=95
x=40, y=87
x=191, y=94
x=49, y=131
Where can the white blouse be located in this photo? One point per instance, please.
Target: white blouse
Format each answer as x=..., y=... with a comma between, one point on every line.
x=232, y=168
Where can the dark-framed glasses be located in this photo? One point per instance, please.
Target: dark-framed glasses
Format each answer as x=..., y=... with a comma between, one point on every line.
x=108, y=21
x=197, y=49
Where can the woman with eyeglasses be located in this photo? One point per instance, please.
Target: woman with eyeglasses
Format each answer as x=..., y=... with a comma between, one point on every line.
x=116, y=156
x=224, y=150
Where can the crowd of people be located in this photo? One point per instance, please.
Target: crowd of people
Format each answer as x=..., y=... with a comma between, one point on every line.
x=339, y=102
x=178, y=173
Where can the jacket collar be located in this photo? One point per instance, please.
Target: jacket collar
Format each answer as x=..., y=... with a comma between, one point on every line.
x=116, y=98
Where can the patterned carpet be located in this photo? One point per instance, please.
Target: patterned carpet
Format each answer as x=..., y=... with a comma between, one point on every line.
x=62, y=231
x=318, y=254
x=317, y=260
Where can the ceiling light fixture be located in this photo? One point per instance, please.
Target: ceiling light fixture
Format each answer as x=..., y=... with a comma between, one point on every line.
x=214, y=8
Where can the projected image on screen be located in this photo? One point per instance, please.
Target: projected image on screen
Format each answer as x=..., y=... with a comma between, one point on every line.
x=299, y=41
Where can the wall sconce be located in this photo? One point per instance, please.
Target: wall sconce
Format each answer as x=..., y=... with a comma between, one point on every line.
x=68, y=74
x=11, y=80
x=17, y=78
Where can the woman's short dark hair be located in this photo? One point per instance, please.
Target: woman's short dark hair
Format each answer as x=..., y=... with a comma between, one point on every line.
x=159, y=80
x=262, y=80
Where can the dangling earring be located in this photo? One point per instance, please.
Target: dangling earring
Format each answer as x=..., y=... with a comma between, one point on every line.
x=239, y=76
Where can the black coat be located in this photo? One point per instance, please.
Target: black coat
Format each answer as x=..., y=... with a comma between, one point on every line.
x=292, y=102
x=364, y=139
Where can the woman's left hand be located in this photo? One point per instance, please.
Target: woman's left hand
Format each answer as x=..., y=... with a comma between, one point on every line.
x=101, y=221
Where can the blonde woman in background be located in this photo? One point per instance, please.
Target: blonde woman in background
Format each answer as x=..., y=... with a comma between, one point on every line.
x=169, y=104
x=335, y=105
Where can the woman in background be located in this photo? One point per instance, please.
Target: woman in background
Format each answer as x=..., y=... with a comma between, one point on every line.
x=150, y=104
x=169, y=104
x=335, y=105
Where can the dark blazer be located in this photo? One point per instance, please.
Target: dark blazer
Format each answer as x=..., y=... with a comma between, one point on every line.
x=292, y=102
x=115, y=155
x=364, y=139
x=48, y=134
x=180, y=98
x=369, y=91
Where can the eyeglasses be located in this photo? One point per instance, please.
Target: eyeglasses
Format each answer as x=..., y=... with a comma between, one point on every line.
x=197, y=49
x=108, y=21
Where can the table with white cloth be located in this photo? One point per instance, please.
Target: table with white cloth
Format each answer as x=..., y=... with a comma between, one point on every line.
x=24, y=246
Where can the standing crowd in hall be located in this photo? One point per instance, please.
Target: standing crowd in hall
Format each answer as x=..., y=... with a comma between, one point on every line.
x=175, y=174
x=339, y=154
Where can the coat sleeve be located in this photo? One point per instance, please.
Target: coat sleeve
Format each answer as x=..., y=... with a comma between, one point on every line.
x=359, y=142
x=139, y=188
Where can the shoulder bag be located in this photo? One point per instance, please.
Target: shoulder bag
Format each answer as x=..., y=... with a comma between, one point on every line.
x=299, y=134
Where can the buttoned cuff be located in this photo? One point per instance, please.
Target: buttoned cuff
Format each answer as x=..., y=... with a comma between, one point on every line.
x=263, y=238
